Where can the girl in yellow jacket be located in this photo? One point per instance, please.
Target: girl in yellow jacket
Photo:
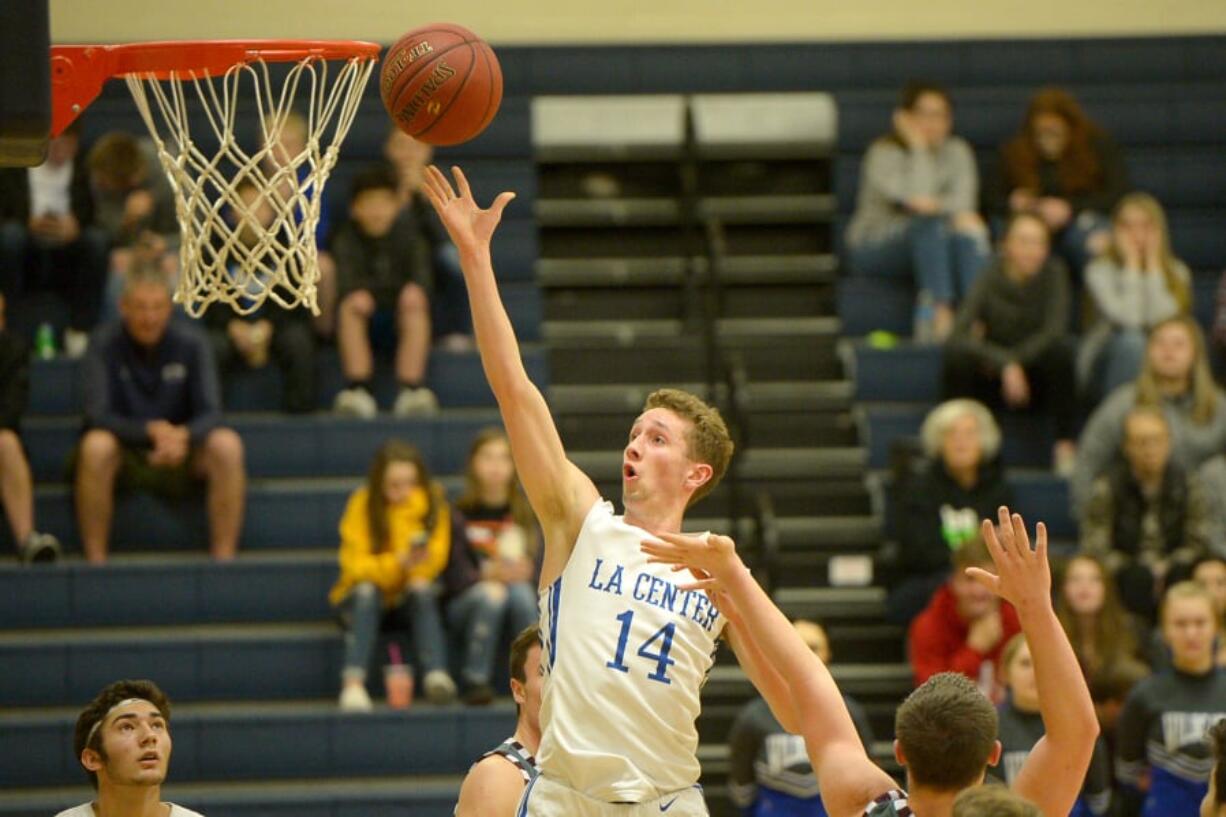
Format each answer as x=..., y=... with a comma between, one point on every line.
x=395, y=540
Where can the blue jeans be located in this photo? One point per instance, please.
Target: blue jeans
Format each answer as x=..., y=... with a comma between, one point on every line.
x=1070, y=243
x=521, y=607
x=1118, y=362
x=478, y=612
x=943, y=260
x=362, y=612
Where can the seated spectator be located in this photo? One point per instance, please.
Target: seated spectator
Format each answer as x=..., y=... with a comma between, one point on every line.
x=500, y=525
x=1146, y=516
x=1162, y=756
x=1134, y=286
x=941, y=503
x=16, y=484
x=270, y=331
x=450, y=314
x=395, y=540
x=48, y=238
x=1064, y=169
x=1175, y=379
x=153, y=419
x=915, y=209
x=770, y=774
x=287, y=166
x=964, y=628
x=383, y=279
x=1021, y=727
x=1009, y=346
x=134, y=205
x=1210, y=573
x=992, y=801
x=1104, y=636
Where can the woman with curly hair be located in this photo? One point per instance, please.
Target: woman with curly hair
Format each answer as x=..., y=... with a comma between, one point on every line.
x=1064, y=168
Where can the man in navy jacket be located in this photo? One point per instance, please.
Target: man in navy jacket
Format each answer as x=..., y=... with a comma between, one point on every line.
x=153, y=419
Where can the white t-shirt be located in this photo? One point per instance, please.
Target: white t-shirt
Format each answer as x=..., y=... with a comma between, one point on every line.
x=51, y=189
x=626, y=654
x=87, y=810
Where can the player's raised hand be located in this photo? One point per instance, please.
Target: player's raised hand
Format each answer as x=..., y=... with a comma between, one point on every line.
x=469, y=226
x=711, y=553
x=1023, y=576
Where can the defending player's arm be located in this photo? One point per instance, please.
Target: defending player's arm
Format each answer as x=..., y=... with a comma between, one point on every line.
x=559, y=492
x=1053, y=774
x=492, y=789
x=850, y=780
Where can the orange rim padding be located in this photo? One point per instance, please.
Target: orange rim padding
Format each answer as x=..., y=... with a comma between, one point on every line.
x=79, y=71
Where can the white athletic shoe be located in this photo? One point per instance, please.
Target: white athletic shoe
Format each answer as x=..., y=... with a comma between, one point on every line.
x=40, y=548
x=355, y=698
x=419, y=402
x=356, y=402
x=440, y=689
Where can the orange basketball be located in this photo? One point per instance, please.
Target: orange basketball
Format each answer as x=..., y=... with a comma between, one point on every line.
x=441, y=84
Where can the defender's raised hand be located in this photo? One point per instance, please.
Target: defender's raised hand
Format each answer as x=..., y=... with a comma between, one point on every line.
x=1023, y=576
x=711, y=554
x=469, y=226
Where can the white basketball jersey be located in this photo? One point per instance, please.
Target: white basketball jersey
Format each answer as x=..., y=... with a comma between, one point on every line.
x=626, y=654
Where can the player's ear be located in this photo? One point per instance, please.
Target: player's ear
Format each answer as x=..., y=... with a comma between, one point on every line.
x=517, y=692
x=997, y=749
x=899, y=755
x=699, y=475
x=91, y=760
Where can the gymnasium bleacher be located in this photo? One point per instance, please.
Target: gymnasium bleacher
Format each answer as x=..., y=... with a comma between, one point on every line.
x=249, y=652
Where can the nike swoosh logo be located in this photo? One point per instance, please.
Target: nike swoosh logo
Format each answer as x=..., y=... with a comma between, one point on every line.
x=669, y=804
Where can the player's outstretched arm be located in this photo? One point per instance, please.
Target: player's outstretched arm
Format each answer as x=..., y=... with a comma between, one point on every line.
x=559, y=492
x=1053, y=774
x=850, y=780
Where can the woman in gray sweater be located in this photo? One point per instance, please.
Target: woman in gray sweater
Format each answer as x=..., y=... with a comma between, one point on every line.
x=1135, y=285
x=915, y=210
x=1009, y=347
x=1176, y=379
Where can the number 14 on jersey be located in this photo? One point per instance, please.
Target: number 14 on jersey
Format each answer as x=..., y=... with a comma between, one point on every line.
x=664, y=635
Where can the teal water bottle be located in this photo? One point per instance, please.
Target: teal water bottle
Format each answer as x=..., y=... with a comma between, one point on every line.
x=44, y=342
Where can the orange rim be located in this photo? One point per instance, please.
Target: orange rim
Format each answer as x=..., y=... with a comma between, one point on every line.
x=79, y=71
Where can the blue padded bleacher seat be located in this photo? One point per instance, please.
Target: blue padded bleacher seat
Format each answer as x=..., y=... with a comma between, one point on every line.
x=307, y=742
x=1027, y=441
x=1198, y=237
x=202, y=592
x=907, y=373
x=867, y=303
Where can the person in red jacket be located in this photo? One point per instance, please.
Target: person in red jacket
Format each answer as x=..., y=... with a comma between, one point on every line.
x=964, y=628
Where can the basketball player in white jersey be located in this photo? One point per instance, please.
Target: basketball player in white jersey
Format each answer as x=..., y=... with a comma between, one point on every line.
x=122, y=739
x=625, y=650
x=947, y=716
x=495, y=784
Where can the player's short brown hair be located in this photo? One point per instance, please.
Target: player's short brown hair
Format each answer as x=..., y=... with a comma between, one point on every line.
x=1217, y=742
x=993, y=800
x=116, y=157
x=708, y=440
x=528, y=638
x=947, y=729
x=95, y=711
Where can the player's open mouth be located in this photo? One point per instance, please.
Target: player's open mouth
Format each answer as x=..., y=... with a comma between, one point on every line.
x=628, y=472
x=149, y=757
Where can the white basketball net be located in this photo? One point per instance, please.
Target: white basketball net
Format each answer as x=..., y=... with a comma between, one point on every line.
x=248, y=218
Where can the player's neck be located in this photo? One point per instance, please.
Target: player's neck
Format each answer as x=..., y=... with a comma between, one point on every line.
x=927, y=802
x=527, y=737
x=655, y=518
x=130, y=801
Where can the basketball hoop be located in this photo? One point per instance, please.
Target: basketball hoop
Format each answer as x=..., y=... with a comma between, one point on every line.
x=239, y=248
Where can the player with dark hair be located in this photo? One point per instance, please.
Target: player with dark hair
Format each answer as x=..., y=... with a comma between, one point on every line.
x=496, y=782
x=946, y=729
x=122, y=739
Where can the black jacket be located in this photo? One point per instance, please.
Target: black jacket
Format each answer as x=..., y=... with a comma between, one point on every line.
x=14, y=379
